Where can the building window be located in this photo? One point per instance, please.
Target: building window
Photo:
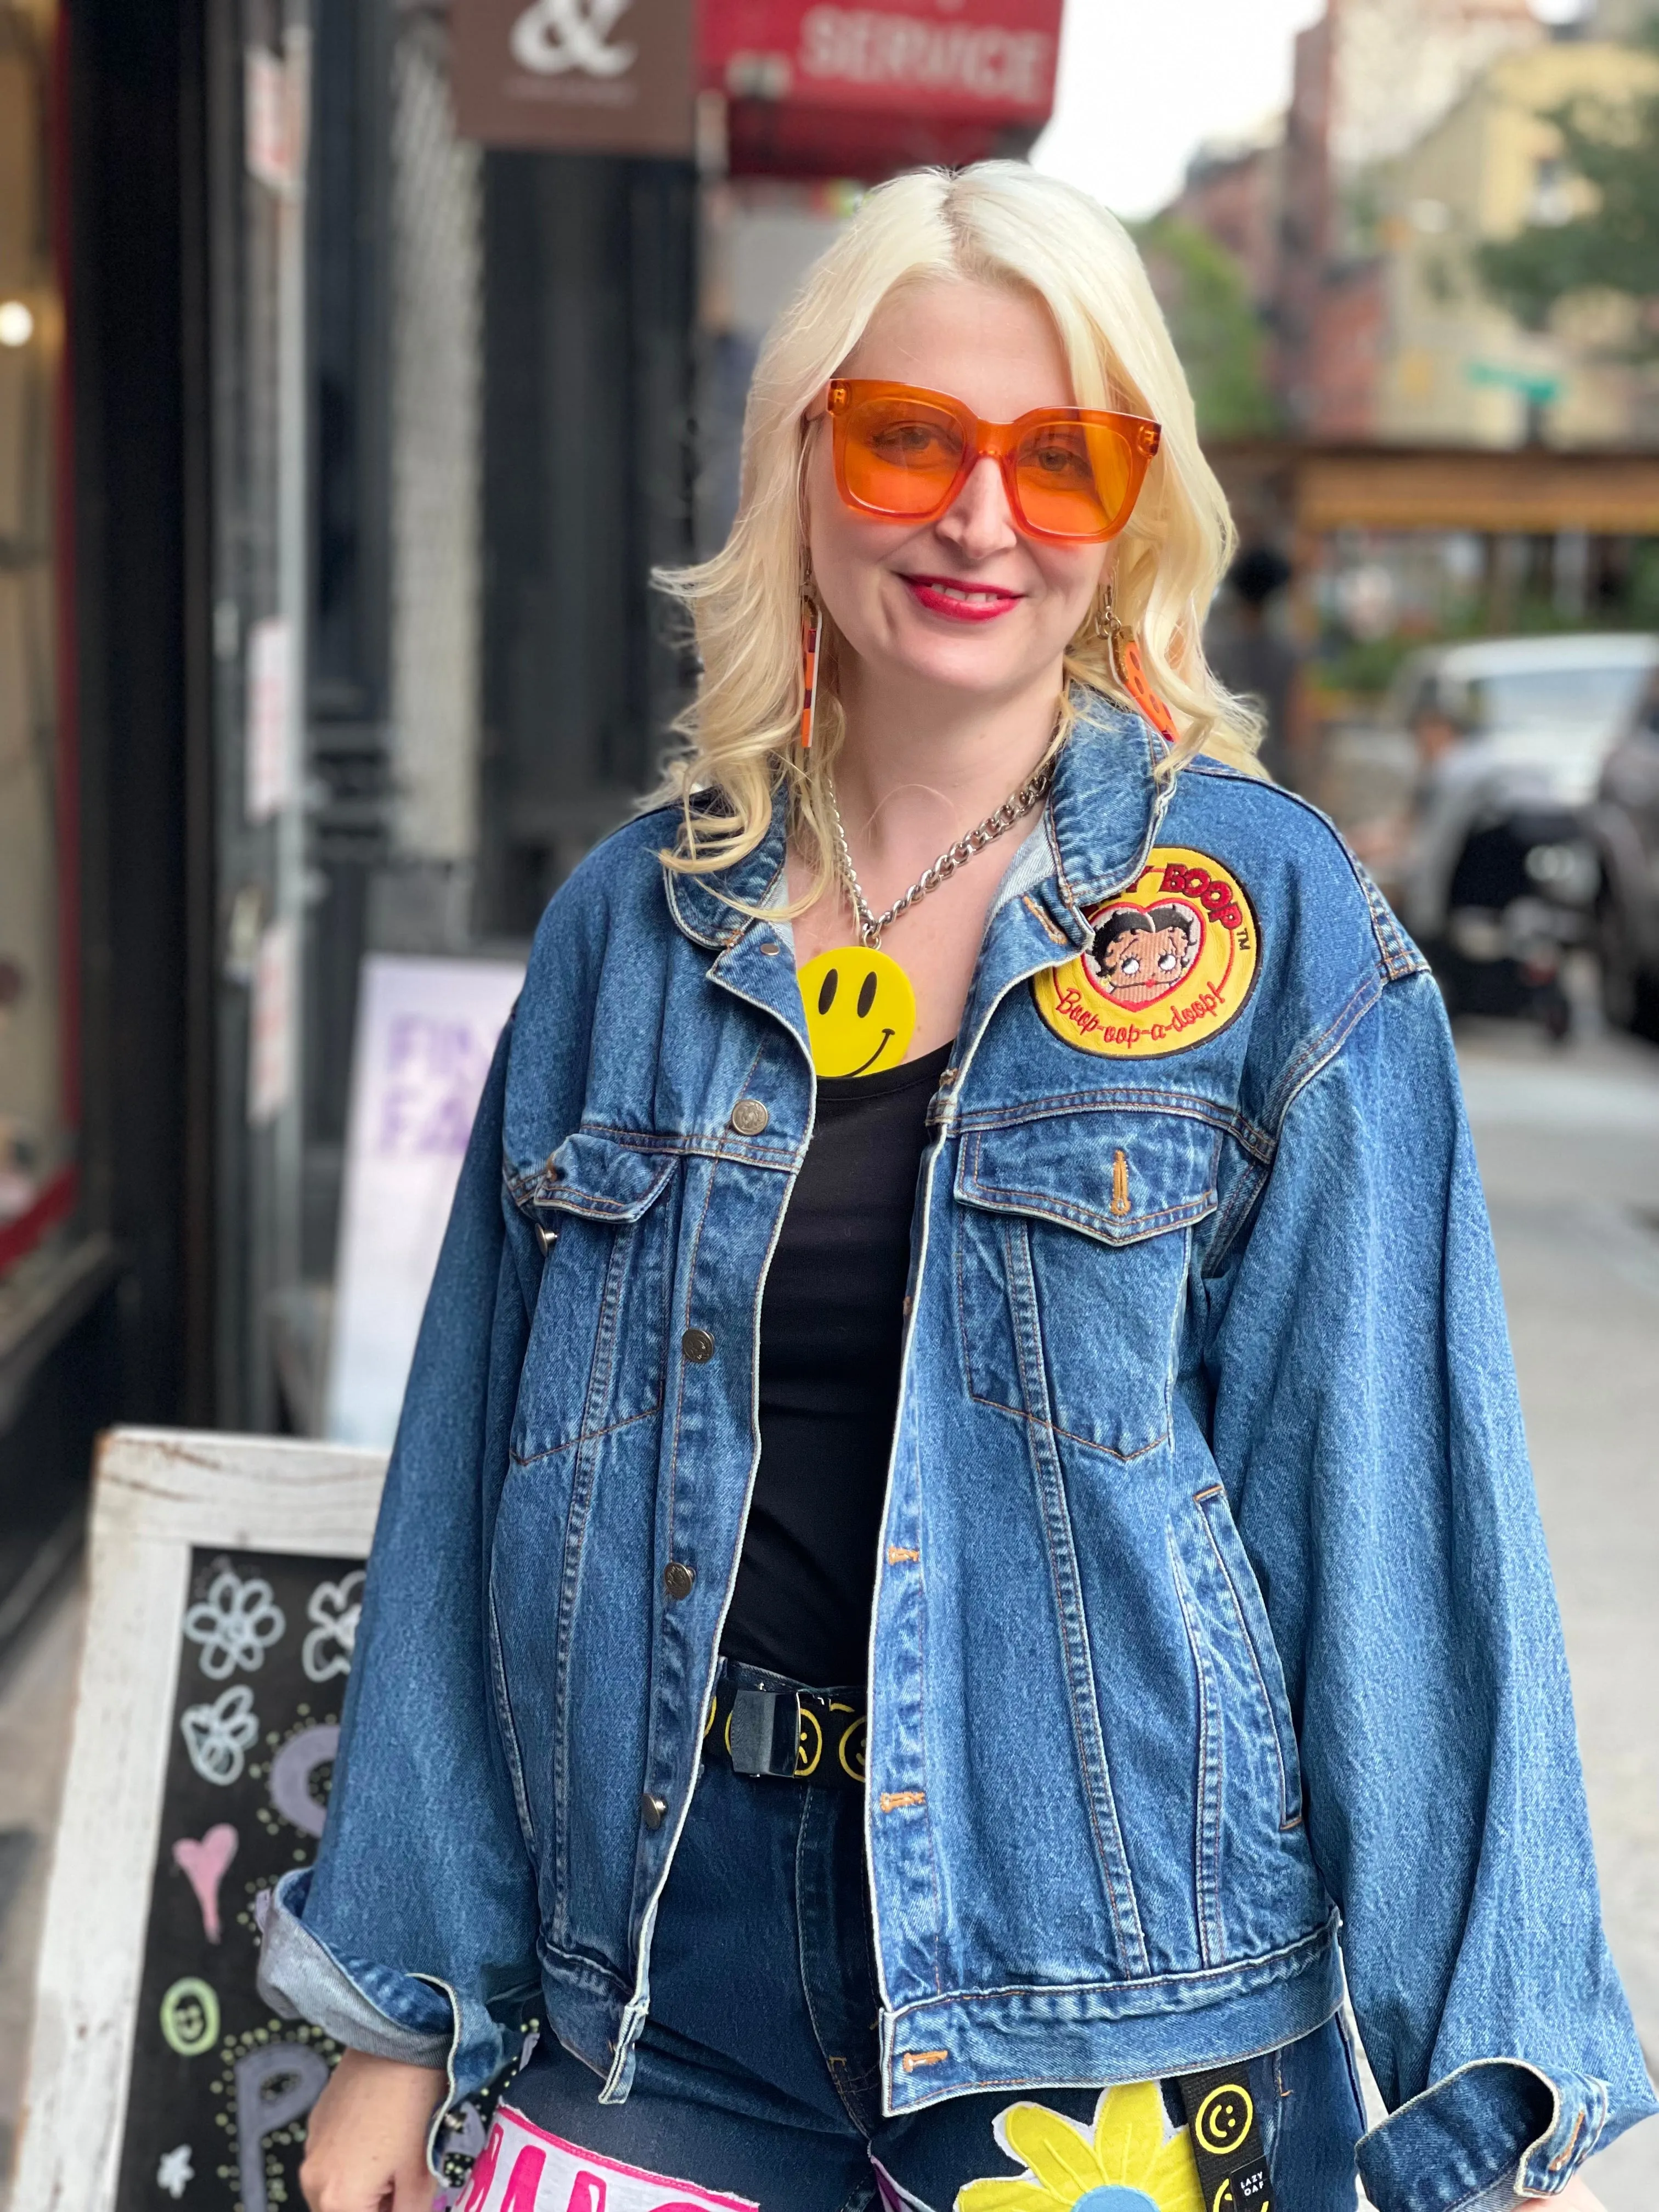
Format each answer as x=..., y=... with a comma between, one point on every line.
x=37, y=886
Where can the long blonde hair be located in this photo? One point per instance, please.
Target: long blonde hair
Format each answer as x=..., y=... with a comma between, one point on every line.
x=999, y=223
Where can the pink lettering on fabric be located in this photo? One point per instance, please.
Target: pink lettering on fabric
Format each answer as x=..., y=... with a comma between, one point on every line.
x=523, y=2168
x=523, y=2191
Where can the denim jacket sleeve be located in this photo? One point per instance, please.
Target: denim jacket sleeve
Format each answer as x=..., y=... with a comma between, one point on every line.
x=425, y=1949
x=1367, y=1424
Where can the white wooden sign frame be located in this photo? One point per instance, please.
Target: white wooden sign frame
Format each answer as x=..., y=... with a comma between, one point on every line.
x=158, y=1494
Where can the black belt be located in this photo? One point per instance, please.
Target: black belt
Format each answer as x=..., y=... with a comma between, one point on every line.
x=770, y=1730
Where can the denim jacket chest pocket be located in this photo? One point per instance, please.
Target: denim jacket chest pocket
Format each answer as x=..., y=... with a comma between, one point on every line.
x=598, y=1349
x=1073, y=1231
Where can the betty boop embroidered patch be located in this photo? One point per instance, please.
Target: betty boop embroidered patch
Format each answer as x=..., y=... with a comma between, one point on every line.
x=522, y=2168
x=1172, y=961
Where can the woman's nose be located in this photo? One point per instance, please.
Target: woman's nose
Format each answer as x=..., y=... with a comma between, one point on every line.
x=978, y=522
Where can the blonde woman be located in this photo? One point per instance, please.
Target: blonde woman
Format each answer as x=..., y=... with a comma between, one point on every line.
x=960, y=1541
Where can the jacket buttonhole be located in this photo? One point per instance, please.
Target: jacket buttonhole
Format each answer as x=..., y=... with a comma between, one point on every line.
x=1561, y=2157
x=1054, y=936
x=898, y=1553
x=1120, y=1183
x=913, y=2058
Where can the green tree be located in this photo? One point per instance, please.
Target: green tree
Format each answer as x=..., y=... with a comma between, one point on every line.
x=1216, y=329
x=1613, y=246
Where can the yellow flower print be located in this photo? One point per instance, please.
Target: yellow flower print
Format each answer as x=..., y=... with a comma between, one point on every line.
x=1127, y=2164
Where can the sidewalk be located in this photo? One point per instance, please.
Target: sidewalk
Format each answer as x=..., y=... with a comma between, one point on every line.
x=1568, y=1141
x=36, y=1692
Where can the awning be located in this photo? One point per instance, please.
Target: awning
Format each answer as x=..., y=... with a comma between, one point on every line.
x=828, y=87
x=1274, y=485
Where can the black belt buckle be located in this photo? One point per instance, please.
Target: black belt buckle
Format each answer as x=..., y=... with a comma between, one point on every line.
x=1226, y=2138
x=765, y=1734
x=779, y=1732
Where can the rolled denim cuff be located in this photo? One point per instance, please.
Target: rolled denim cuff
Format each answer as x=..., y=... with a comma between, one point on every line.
x=1493, y=2134
x=413, y=2018
x=372, y=2009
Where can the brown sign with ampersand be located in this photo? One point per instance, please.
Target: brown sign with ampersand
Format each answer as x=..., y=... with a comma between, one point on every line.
x=597, y=77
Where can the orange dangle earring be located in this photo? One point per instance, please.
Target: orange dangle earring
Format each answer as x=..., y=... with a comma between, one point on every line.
x=1130, y=671
x=811, y=631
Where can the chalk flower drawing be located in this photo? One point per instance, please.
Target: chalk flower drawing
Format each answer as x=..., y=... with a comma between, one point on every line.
x=236, y=1623
x=335, y=1608
x=218, y=1736
x=175, y=2172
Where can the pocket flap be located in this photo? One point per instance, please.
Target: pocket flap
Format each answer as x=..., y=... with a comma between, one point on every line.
x=596, y=1176
x=1115, y=1175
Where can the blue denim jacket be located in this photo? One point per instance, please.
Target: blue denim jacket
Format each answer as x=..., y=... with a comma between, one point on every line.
x=1213, y=1612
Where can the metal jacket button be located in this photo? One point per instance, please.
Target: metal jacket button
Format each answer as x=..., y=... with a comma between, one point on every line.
x=677, y=1579
x=698, y=1346
x=653, y=1811
x=749, y=1117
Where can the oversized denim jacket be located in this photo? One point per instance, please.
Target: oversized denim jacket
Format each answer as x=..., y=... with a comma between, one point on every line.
x=1214, y=1643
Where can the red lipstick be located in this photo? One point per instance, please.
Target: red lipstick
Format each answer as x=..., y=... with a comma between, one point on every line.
x=958, y=601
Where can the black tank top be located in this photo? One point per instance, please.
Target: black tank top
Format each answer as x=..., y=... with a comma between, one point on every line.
x=832, y=1329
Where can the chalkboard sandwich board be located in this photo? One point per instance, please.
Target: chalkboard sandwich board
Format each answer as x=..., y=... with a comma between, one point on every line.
x=225, y=1576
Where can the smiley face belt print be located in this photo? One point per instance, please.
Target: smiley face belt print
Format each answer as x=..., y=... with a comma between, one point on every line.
x=860, y=1010
x=1172, y=961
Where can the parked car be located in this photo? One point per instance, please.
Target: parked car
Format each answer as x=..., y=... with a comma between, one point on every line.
x=1625, y=823
x=1498, y=873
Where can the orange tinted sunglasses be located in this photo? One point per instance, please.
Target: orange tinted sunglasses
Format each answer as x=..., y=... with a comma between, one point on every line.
x=1070, y=473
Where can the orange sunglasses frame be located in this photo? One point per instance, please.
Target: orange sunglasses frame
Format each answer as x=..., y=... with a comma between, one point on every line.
x=996, y=441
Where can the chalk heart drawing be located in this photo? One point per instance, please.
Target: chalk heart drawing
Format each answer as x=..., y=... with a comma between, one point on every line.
x=218, y=1736
x=335, y=1609
x=175, y=2172
x=291, y=1770
x=203, y=1863
x=236, y=1623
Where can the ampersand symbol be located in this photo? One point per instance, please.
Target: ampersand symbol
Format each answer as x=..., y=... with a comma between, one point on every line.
x=552, y=36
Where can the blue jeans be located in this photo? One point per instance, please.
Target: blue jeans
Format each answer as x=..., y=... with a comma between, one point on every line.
x=757, y=2080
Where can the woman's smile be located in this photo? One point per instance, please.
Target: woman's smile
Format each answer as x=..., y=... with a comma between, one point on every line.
x=960, y=602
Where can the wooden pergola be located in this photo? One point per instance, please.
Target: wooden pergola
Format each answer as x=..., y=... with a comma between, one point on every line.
x=1287, y=492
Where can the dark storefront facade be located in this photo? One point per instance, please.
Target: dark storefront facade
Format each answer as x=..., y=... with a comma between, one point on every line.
x=334, y=459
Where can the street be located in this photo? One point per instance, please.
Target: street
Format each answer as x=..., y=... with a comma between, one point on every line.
x=1568, y=1140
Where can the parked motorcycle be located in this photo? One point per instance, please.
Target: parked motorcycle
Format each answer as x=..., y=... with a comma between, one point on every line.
x=1625, y=823
x=1502, y=871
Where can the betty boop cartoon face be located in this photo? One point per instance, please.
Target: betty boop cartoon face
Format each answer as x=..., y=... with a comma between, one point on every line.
x=1141, y=952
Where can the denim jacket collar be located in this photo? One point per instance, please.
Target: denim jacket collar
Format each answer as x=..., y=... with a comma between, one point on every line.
x=710, y=909
x=1102, y=815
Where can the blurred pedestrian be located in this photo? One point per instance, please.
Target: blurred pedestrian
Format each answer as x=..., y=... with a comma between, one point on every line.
x=1251, y=655
x=961, y=1506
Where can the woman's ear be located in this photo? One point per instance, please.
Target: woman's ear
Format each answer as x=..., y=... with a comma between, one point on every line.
x=805, y=489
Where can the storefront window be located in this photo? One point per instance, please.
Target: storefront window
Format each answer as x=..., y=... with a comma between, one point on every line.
x=36, y=1104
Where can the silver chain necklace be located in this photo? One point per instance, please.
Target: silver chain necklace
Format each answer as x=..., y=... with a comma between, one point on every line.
x=871, y=924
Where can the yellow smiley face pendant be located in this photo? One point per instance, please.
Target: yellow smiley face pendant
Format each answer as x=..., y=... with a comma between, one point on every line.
x=860, y=1010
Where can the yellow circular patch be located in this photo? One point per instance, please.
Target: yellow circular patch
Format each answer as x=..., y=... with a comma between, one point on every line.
x=1173, y=960
x=860, y=1010
x=1223, y=2118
